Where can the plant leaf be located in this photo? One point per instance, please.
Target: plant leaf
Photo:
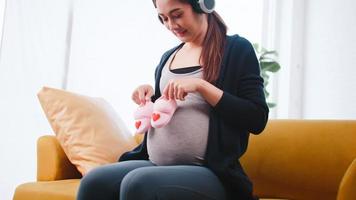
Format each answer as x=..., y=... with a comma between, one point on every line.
x=271, y=105
x=266, y=93
x=269, y=53
x=270, y=66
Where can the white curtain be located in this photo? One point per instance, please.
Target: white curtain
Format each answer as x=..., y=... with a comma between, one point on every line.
x=99, y=48
x=2, y=14
x=316, y=52
x=32, y=55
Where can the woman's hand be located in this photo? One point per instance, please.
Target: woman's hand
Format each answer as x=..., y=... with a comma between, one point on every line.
x=142, y=94
x=179, y=88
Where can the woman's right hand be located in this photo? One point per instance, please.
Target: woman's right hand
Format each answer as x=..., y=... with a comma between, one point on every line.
x=142, y=94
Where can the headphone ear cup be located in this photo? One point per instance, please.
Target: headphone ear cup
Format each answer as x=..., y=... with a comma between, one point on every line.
x=196, y=6
x=206, y=6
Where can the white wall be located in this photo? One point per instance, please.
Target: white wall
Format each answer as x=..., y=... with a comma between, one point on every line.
x=315, y=40
x=330, y=60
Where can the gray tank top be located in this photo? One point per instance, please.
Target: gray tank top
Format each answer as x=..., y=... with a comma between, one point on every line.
x=184, y=139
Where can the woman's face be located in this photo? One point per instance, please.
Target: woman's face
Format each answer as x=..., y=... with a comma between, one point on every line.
x=181, y=20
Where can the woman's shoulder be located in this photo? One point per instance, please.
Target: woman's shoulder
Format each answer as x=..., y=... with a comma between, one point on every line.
x=238, y=42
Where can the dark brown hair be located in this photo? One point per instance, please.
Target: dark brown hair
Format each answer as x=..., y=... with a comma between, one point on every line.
x=213, y=44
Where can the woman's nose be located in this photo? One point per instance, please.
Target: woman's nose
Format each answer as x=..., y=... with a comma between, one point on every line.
x=171, y=24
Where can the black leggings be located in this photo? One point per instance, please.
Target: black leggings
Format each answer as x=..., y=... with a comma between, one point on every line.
x=142, y=180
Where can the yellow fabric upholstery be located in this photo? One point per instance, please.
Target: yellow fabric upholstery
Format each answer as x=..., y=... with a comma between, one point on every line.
x=300, y=159
x=52, y=162
x=347, y=188
x=291, y=159
x=48, y=190
x=57, y=178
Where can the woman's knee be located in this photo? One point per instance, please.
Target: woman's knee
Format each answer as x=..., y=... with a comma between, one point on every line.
x=99, y=183
x=171, y=183
x=106, y=180
x=137, y=184
x=94, y=179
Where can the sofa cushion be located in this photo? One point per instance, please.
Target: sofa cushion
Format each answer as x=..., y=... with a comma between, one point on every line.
x=88, y=129
x=300, y=159
x=45, y=190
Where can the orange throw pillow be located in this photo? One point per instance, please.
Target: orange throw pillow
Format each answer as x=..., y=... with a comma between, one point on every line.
x=88, y=129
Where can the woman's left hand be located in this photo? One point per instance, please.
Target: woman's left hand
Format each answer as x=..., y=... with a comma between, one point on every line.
x=179, y=88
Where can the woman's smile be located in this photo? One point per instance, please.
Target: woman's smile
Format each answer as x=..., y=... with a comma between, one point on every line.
x=180, y=32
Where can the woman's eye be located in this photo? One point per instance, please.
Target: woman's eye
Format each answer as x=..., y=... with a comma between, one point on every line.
x=177, y=16
x=163, y=19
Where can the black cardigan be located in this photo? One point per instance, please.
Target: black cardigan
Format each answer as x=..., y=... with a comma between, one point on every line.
x=241, y=110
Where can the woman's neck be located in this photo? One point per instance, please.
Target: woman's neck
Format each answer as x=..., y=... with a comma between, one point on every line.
x=188, y=46
x=198, y=41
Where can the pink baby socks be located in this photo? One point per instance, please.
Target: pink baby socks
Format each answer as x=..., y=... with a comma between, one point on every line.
x=163, y=110
x=155, y=115
x=142, y=117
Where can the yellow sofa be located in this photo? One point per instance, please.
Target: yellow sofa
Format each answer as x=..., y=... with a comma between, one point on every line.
x=291, y=159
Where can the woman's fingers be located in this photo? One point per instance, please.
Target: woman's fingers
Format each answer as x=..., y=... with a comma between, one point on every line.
x=167, y=90
x=179, y=88
x=148, y=95
x=171, y=91
x=142, y=94
x=180, y=94
x=135, y=98
x=165, y=93
x=174, y=91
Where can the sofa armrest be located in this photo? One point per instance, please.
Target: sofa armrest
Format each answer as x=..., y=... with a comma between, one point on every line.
x=347, y=186
x=52, y=162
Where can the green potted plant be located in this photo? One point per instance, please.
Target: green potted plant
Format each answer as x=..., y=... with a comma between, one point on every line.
x=268, y=64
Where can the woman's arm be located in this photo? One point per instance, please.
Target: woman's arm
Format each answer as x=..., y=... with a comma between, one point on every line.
x=210, y=93
x=246, y=107
x=179, y=88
